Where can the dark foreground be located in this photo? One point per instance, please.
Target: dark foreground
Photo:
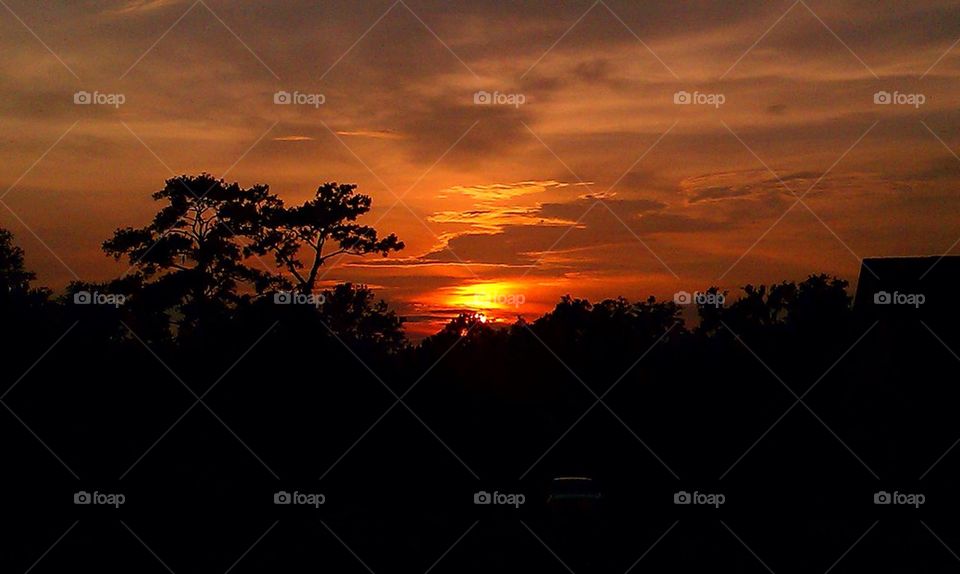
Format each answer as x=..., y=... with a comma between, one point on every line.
x=801, y=413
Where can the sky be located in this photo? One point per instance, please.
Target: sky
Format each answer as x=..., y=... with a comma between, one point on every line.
x=521, y=150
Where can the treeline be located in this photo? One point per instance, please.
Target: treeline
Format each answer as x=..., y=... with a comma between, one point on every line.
x=199, y=379
x=193, y=308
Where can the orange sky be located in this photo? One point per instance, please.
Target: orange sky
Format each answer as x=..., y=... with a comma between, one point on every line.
x=584, y=177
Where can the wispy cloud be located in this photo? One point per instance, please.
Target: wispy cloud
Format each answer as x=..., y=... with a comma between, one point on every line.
x=502, y=191
x=137, y=6
x=374, y=134
x=293, y=139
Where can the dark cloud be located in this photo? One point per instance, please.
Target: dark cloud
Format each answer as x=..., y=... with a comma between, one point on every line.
x=574, y=210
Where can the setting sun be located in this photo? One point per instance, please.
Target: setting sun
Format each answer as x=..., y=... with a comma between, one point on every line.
x=578, y=261
x=488, y=296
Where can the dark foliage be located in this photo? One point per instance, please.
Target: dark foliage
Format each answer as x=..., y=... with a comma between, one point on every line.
x=785, y=398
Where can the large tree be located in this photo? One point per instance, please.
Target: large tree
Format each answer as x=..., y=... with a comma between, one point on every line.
x=189, y=259
x=201, y=254
x=319, y=229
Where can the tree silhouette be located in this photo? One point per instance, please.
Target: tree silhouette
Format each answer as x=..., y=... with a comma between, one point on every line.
x=14, y=278
x=26, y=313
x=818, y=302
x=352, y=311
x=327, y=218
x=469, y=325
x=192, y=264
x=16, y=294
x=189, y=259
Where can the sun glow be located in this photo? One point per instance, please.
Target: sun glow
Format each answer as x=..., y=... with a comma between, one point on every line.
x=488, y=297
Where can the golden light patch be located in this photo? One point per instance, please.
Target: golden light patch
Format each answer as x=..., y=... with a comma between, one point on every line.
x=504, y=296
